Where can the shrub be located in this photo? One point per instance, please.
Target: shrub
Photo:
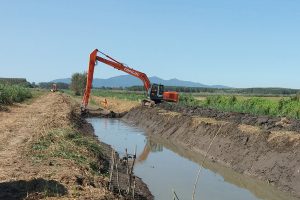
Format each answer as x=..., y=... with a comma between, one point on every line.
x=188, y=99
x=256, y=105
x=13, y=93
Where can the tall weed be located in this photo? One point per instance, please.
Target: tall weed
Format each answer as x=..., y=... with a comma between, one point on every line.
x=13, y=93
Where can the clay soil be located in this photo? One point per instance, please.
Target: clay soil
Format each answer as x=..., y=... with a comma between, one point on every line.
x=115, y=105
x=23, y=177
x=261, y=147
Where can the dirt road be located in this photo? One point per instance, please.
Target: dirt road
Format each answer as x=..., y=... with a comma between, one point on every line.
x=20, y=125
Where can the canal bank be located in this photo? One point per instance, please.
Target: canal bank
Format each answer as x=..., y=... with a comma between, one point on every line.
x=165, y=166
x=265, y=150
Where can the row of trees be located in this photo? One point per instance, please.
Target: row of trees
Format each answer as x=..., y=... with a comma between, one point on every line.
x=48, y=85
x=15, y=81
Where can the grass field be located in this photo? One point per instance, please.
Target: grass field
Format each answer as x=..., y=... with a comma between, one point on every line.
x=242, y=97
x=273, y=106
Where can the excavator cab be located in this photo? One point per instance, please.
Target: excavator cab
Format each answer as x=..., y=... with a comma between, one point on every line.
x=156, y=92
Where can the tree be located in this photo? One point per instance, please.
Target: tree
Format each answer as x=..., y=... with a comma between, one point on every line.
x=78, y=83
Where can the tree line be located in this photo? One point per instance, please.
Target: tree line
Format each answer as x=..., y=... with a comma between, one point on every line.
x=15, y=81
x=48, y=85
x=78, y=83
x=243, y=91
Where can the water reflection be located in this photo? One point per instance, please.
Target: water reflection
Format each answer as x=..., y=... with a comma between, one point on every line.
x=150, y=146
x=259, y=188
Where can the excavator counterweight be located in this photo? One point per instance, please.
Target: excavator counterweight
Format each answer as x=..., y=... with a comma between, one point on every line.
x=155, y=92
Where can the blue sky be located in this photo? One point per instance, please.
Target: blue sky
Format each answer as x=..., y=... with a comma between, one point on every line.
x=239, y=43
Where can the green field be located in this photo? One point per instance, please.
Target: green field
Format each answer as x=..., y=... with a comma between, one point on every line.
x=273, y=106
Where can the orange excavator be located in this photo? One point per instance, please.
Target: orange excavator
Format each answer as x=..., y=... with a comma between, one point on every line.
x=155, y=92
x=149, y=147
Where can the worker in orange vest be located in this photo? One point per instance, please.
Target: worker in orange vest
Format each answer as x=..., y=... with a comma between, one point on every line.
x=105, y=103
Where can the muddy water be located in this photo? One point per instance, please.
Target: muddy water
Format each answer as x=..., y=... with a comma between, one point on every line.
x=165, y=166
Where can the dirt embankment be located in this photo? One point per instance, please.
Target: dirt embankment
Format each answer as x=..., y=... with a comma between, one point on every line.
x=48, y=151
x=264, y=122
x=115, y=105
x=115, y=108
x=260, y=147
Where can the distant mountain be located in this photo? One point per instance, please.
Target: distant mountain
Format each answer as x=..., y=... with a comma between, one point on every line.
x=127, y=81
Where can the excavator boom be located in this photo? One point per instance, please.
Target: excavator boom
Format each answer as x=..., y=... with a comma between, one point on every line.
x=122, y=67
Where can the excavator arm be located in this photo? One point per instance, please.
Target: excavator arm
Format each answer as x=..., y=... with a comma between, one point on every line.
x=117, y=65
x=113, y=63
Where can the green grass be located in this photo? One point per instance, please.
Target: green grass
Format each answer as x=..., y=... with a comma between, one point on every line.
x=125, y=95
x=239, y=96
x=13, y=93
x=188, y=100
x=68, y=144
x=285, y=107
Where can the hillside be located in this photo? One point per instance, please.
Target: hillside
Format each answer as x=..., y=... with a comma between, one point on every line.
x=127, y=81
